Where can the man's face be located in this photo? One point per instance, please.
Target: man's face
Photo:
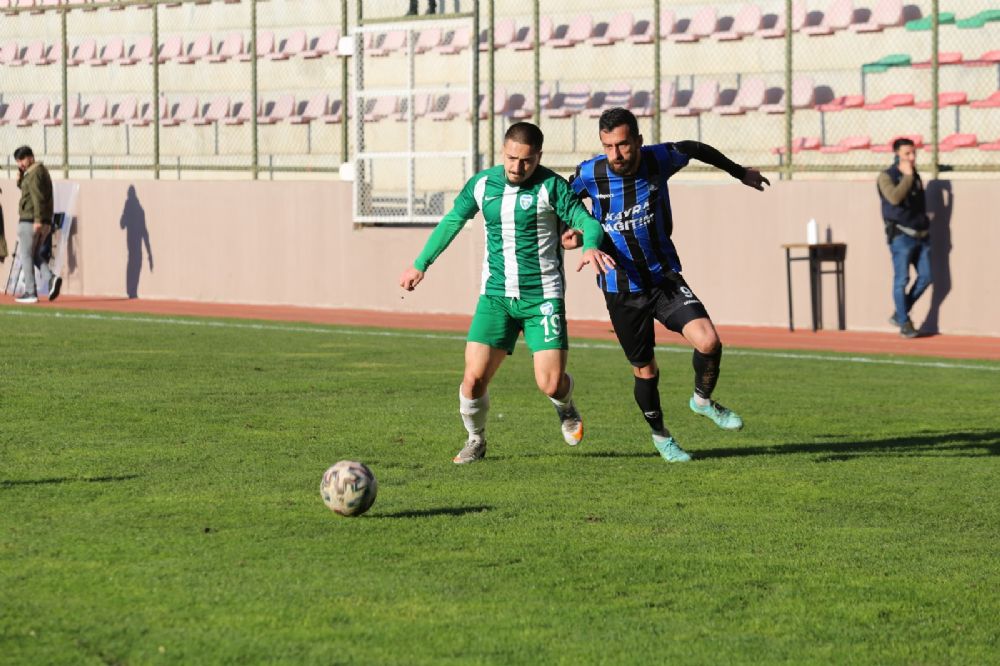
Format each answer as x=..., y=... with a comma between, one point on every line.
x=907, y=154
x=622, y=150
x=24, y=163
x=519, y=161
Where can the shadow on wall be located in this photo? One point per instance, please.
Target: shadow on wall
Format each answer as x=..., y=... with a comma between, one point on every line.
x=133, y=221
x=940, y=203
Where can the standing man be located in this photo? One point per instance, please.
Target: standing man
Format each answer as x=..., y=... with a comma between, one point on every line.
x=628, y=188
x=907, y=230
x=525, y=206
x=35, y=214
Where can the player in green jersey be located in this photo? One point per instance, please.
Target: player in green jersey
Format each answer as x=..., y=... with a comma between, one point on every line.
x=525, y=207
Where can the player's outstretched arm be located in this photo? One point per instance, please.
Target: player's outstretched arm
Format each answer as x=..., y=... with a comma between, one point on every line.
x=709, y=155
x=410, y=278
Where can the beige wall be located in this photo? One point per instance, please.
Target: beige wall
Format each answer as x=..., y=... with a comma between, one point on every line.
x=293, y=243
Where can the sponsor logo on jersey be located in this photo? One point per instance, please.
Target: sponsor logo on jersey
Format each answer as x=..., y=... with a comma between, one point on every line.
x=547, y=308
x=525, y=201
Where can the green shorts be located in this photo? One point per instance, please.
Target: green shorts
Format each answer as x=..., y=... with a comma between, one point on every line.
x=499, y=319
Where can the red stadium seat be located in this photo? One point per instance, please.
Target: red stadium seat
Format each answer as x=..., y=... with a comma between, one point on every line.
x=945, y=99
x=891, y=102
x=991, y=146
x=956, y=141
x=917, y=139
x=944, y=58
x=991, y=102
x=843, y=103
x=861, y=142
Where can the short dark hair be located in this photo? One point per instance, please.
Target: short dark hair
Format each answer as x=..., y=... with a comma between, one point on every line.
x=900, y=142
x=616, y=117
x=527, y=133
x=22, y=152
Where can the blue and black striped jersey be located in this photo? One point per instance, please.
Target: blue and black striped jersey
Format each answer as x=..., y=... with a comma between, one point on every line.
x=635, y=214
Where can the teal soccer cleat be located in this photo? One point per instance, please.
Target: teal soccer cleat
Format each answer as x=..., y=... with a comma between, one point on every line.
x=724, y=417
x=670, y=450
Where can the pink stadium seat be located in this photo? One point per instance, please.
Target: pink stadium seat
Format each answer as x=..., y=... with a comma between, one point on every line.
x=499, y=103
x=988, y=59
x=428, y=40
x=377, y=108
x=944, y=58
x=704, y=98
x=141, y=51
x=749, y=97
x=524, y=39
x=956, y=141
x=112, y=51
x=230, y=47
x=38, y=113
x=641, y=104
x=461, y=39
x=799, y=144
x=777, y=30
x=568, y=104
x=30, y=55
x=388, y=43
x=991, y=102
x=265, y=46
x=803, y=96
x=843, y=103
x=578, y=30
x=310, y=110
x=334, y=114
x=84, y=51
x=122, y=112
x=848, y=144
x=323, y=45
x=991, y=146
x=9, y=52
x=838, y=16
x=239, y=113
x=946, y=99
x=214, y=112
x=145, y=118
x=891, y=102
x=171, y=49
x=276, y=111
x=50, y=55
x=668, y=95
x=887, y=14
x=702, y=25
x=917, y=139
x=290, y=46
x=746, y=22
x=421, y=106
x=13, y=113
x=617, y=29
x=618, y=95
x=180, y=113
x=97, y=109
x=456, y=106
x=199, y=48
x=56, y=118
x=525, y=109
x=503, y=34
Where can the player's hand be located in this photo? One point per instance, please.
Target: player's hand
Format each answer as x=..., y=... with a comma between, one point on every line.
x=601, y=261
x=755, y=179
x=410, y=278
x=571, y=239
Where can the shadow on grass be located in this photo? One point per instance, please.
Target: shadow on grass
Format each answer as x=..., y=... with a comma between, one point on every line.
x=10, y=483
x=440, y=511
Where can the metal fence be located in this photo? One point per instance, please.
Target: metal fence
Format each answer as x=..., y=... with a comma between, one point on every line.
x=258, y=87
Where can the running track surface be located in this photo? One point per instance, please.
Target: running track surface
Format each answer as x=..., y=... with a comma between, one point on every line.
x=753, y=337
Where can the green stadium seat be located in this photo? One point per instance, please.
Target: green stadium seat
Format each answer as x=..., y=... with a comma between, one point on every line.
x=924, y=24
x=979, y=20
x=887, y=62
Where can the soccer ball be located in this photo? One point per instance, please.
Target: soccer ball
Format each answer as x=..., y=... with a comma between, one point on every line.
x=348, y=488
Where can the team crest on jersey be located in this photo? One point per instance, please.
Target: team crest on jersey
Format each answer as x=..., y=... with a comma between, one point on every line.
x=547, y=308
x=525, y=201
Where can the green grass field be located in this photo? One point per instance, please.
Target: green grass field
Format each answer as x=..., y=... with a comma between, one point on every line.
x=159, y=503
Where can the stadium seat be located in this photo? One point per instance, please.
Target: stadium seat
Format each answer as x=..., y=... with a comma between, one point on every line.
x=180, y=113
x=275, y=111
x=110, y=52
x=847, y=144
x=427, y=40
x=886, y=63
x=892, y=101
x=38, y=112
x=701, y=25
x=213, y=112
x=13, y=113
x=290, y=46
x=56, y=118
x=956, y=98
x=239, y=113
x=991, y=146
x=95, y=111
x=773, y=25
x=145, y=117
x=988, y=59
x=578, y=30
x=642, y=32
x=887, y=14
x=944, y=58
x=516, y=102
x=991, y=102
x=979, y=20
x=503, y=34
x=377, y=108
x=459, y=40
x=924, y=24
x=799, y=144
x=746, y=22
x=29, y=55
x=387, y=43
x=84, y=52
x=917, y=139
x=456, y=105
x=619, y=94
x=171, y=49
x=121, y=112
x=421, y=106
x=749, y=97
x=526, y=109
x=668, y=22
x=325, y=44
x=50, y=55
x=9, y=52
x=499, y=103
x=803, y=96
x=668, y=95
x=704, y=98
x=641, y=104
x=265, y=46
x=308, y=111
x=141, y=51
x=569, y=103
x=334, y=114
x=200, y=47
x=837, y=17
x=956, y=141
x=230, y=47
x=617, y=29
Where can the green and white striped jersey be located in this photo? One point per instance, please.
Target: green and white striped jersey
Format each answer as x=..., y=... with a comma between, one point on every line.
x=523, y=227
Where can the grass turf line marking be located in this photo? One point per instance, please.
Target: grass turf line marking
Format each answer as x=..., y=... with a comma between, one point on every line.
x=319, y=328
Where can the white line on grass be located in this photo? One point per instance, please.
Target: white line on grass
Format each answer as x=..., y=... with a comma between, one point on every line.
x=287, y=328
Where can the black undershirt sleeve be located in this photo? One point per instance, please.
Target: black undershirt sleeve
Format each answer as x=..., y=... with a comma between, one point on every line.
x=709, y=155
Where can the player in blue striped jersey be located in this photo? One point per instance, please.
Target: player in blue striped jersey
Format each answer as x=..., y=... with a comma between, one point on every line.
x=627, y=186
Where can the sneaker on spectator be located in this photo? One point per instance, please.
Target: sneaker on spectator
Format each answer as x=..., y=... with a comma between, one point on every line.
x=54, y=288
x=27, y=298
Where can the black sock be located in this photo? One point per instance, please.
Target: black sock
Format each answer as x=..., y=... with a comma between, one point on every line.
x=706, y=372
x=647, y=396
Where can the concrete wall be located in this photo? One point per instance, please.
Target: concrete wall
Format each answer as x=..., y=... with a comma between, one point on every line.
x=294, y=243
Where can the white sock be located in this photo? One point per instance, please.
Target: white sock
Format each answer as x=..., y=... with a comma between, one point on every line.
x=702, y=402
x=566, y=400
x=473, y=411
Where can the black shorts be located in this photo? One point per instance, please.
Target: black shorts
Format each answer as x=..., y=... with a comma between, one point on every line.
x=672, y=303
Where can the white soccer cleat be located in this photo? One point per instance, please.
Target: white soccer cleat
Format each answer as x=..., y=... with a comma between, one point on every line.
x=571, y=424
x=474, y=449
